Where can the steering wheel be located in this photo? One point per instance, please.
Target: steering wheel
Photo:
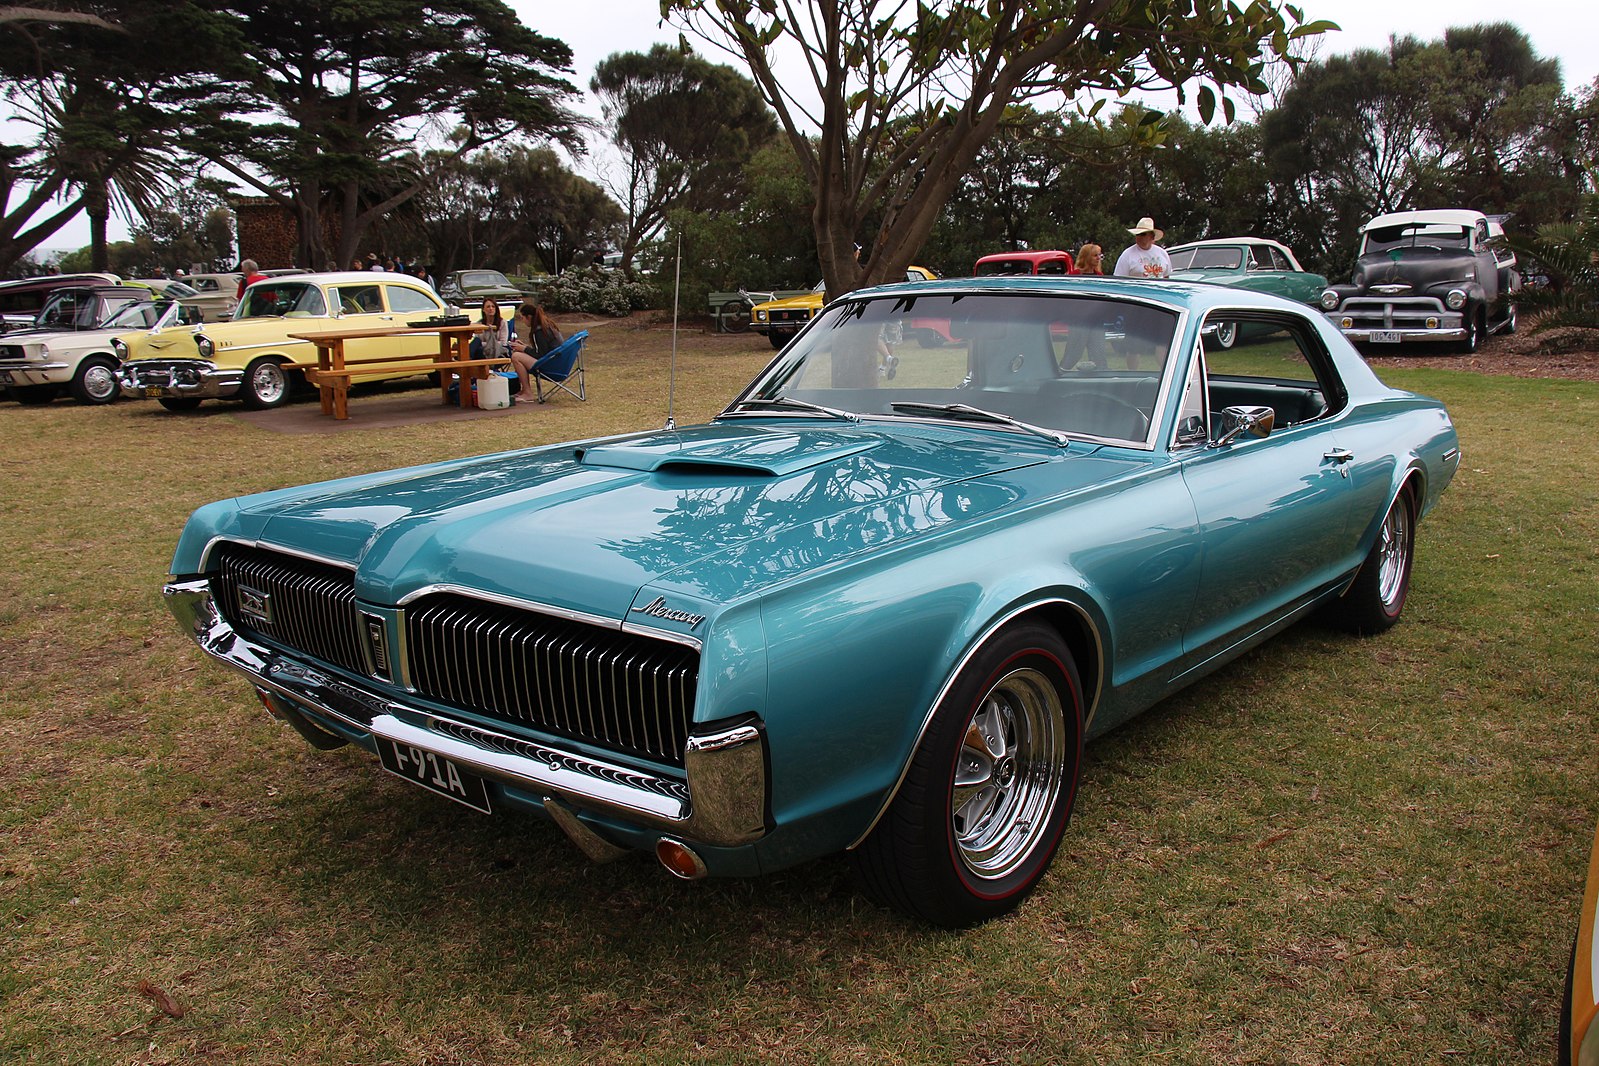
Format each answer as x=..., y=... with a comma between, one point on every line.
x=1105, y=398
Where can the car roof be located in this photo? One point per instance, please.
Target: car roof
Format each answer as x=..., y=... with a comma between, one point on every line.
x=1224, y=241
x=1177, y=295
x=1446, y=217
x=1032, y=257
x=334, y=277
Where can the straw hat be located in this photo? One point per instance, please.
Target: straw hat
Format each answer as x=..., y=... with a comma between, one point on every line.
x=1147, y=225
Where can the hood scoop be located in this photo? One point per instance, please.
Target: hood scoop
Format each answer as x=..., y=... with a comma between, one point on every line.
x=741, y=450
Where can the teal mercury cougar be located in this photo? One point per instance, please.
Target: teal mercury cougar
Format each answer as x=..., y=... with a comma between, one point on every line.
x=877, y=605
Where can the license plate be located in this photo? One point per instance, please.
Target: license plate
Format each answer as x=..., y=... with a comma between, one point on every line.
x=1384, y=336
x=434, y=772
x=152, y=390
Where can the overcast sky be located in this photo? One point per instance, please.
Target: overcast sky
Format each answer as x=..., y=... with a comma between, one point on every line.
x=1557, y=28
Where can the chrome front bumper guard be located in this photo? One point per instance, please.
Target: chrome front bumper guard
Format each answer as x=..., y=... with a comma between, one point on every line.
x=214, y=384
x=723, y=802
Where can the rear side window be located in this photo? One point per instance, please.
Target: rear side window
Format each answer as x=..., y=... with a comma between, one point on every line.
x=404, y=299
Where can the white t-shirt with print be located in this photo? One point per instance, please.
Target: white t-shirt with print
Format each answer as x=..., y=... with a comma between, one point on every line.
x=1136, y=262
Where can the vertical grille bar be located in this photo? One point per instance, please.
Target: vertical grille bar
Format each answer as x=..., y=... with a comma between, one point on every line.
x=629, y=693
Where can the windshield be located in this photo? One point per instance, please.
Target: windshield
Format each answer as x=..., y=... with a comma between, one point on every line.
x=274, y=299
x=1430, y=235
x=1084, y=366
x=175, y=289
x=137, y=316
x=485, y=279
x=1206, y=258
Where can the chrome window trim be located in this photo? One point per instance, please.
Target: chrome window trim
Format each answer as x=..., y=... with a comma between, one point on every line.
x=954, y=674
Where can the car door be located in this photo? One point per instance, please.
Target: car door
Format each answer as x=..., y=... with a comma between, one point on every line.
x=359, y=305
x=1274, y=511
x=407, y=303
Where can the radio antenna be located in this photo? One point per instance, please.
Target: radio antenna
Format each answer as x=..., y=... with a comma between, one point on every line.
x=671, y=374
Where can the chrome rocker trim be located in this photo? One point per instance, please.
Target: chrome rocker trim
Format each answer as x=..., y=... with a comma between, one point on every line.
x=723, y=803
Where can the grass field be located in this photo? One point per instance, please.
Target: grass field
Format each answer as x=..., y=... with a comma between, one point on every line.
x=1334, y=851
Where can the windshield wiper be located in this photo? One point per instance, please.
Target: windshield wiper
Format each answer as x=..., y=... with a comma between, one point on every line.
x=799, y=405
x=967, y=411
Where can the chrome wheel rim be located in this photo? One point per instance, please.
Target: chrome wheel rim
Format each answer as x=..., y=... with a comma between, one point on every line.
x=99, y=383
x=1227, y=334
x=1008, y=774
x=267, y=383
x=1393, y=555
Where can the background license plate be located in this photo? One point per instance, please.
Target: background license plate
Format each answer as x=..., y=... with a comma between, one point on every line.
x=1384, y=336
x=434, y=772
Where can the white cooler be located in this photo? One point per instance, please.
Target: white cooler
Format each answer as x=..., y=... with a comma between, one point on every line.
x=493, y=392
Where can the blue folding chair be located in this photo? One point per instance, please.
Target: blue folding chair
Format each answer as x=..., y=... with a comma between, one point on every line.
x=559, y=365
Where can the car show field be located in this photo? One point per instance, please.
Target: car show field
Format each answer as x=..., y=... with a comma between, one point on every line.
x=1333, y=849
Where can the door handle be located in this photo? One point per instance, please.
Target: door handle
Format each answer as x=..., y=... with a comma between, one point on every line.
x=1343, y=457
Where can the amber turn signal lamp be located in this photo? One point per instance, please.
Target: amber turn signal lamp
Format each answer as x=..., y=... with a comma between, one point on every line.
x=680, y=859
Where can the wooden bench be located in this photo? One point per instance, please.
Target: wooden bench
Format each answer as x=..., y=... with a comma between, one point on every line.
x=339, y=380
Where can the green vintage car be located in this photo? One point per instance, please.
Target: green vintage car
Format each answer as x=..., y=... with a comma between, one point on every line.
x=1246, y=263
x=857, y=611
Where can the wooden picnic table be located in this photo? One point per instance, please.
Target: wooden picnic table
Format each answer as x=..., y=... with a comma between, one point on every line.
x=332, y=371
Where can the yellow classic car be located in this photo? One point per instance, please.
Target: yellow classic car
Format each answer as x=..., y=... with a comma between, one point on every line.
x=1579, y=1012
x=245, y=358
x=781, y=319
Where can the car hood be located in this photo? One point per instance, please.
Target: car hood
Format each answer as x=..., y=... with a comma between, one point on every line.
x=791, y=303
x=1415, y=268
x=712, y=512
x=1217, y=276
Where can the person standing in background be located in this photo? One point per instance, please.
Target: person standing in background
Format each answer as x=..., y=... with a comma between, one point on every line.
x=1145, y=259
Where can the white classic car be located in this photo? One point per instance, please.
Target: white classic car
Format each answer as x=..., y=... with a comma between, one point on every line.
x=37, y=364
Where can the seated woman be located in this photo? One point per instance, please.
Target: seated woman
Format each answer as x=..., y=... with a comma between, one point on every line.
x=494, y=342
x=535, y=335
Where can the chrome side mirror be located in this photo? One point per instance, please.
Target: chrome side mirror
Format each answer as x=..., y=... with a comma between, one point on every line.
x=1236, y=421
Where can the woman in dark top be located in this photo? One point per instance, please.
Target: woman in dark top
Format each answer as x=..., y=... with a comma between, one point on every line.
x=536, y=334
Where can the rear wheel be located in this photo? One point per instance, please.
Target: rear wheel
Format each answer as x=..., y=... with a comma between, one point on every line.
x=95, y=382
x=35, y=395
x=1377, y=597
x=988, y=793
x=179, y=403
x=1226, y=335
x=265, y=385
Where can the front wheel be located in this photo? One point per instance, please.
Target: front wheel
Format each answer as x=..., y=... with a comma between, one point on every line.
x=95, y=383
x=1226, y=335
x=777, y=339
x=1476, y=324
x=988, y=793
x=1377, y=597
x=265, y=385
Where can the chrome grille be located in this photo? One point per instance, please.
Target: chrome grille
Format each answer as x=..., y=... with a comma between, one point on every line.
x=629, y=693
x=309, y=607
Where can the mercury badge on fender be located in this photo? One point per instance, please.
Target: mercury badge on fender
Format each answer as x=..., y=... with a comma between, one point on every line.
x=859, y=610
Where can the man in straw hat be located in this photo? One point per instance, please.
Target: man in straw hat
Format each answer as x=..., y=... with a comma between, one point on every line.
x=1145, y=259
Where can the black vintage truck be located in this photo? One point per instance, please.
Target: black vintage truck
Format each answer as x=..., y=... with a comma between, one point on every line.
x=1428, y=276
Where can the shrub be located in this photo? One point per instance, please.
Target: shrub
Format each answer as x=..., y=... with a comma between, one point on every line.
x=596, y=291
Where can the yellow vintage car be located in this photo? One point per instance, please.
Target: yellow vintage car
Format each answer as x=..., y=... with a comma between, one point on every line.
x=1578, y=1043
x=781, y=319
x=245, y=358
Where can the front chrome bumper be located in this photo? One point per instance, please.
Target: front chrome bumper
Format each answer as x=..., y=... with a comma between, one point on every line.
x=23, y=373
x=1406, y=336
x=180, y=378
x=722, y=803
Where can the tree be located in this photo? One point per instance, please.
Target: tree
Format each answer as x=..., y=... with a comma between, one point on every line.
x=340, y=94
x=685, y=128
x=505, y=208
x=904, y=101
x=102, y=112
